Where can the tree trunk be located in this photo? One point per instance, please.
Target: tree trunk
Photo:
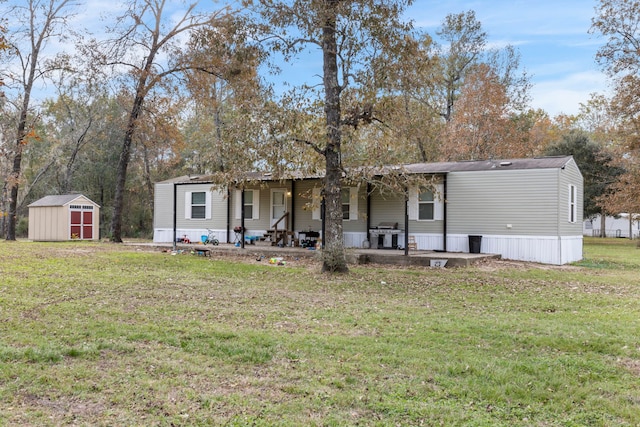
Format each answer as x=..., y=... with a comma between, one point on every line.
x=333, y=255
x=603, y=224
x=123, y=164
x=14, y=178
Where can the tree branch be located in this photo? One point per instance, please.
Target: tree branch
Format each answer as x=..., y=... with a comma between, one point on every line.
x=315, y=147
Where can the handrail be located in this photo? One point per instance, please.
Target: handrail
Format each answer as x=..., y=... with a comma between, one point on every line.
x=275, y=226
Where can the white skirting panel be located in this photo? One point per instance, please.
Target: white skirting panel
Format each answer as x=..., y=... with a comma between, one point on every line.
x=543, y=249
x=354, y=240
x=165, y=235
x=571, y=249
x=423, y=241
x=429, y=242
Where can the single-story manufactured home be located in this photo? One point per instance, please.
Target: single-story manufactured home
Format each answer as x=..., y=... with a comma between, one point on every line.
x=64, y=217
x=521, y=209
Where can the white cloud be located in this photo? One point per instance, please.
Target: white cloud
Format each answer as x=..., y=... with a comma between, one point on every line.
x=565, y=95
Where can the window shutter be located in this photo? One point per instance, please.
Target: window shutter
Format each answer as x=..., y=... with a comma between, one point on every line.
x=353, y=203
x=256, y=204
x=238, y=196
x=413, y=203
x=187, y=205
x=316, y=201
x=438, y=202
x=207, y=206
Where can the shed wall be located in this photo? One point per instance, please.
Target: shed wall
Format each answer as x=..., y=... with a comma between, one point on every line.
x=49, y=223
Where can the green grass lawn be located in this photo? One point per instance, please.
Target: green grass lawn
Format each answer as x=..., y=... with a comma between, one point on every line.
x=100, y=334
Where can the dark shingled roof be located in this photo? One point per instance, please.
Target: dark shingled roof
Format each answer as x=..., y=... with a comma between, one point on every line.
x=59, y=200
x=553, y=162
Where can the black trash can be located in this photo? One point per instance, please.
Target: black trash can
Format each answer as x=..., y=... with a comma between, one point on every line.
x=475, y=243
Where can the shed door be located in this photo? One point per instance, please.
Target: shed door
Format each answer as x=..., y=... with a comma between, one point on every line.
x=81, y=226
x=87, y=224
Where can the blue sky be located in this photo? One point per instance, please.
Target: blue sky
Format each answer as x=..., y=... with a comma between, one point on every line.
x=552, y=37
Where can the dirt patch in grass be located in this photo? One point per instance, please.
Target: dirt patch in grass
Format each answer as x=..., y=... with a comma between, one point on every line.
x=497, y=265
x=632, y=365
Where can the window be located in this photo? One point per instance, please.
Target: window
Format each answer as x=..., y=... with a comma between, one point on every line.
x=573, y=205
x=198, y=205
x=346, y=205
x=248, y=204
x=349, y=198
x=426, y=205
x=251, y=207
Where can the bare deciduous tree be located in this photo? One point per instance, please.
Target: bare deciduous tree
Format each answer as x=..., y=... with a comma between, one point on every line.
x=148, y=45
x=41, y=21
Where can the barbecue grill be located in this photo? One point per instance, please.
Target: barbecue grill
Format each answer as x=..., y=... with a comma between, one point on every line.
x=387, y=233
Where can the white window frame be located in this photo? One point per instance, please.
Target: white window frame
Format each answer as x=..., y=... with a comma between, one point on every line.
x=286, y=202
x=316, y=203
x=255, y=204
x=431, y=202
x=438, y=203
x=573, y=204
x=188, y=213
x=353, y=203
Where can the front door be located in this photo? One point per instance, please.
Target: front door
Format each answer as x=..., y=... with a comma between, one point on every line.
x=278, y=206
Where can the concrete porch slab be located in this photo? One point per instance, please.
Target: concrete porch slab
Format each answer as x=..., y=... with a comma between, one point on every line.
x=354, y=256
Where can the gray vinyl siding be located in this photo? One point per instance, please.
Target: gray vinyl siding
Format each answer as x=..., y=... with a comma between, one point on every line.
x=387, y=208
x=360, y=224
x=485, y=202
x=570, y=175
x=303, y=206
x=218, y=208
x=303, y=209
x=391, y=208
x=163, y=206
x=263, y=222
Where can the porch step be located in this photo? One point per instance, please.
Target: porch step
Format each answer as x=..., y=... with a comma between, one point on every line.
x=281, y=235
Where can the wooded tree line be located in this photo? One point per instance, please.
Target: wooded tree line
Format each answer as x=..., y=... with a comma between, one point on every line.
x=160, y=92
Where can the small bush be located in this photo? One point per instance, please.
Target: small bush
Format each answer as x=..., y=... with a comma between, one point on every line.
x=22, y=227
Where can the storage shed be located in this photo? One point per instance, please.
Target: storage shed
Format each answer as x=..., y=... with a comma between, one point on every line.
x=64, y=217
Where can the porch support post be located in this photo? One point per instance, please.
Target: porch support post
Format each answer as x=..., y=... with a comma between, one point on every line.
x=322, y=212
x=175, y=215
x=369, y=213
x=444, y=214
x=242, y=218
x=292, y=210
x=406, y=221
x=228, y=214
